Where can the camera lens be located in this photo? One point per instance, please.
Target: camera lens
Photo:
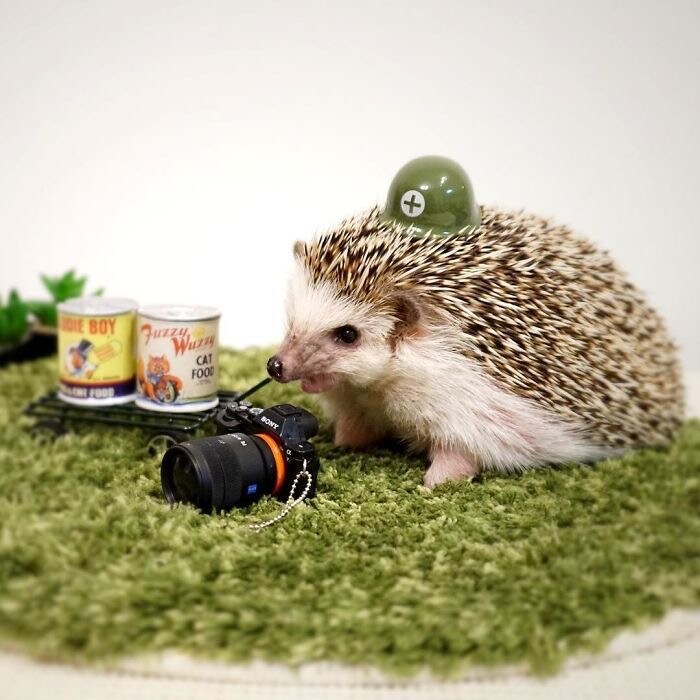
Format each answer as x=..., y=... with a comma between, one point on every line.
x=220, y=472
x=185, y=480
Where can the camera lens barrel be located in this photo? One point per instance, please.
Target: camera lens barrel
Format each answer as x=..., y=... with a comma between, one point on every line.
x=220, y=472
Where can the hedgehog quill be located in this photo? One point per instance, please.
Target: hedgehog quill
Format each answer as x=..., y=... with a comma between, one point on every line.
x=508, y=345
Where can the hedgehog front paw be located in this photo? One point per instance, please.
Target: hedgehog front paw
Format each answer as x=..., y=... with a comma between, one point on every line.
x=354, y=434
x=450, y=465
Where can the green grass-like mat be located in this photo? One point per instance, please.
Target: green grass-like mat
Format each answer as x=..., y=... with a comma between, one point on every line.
x=94, y=564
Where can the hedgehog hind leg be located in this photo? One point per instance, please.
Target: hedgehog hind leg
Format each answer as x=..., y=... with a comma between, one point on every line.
x=449, y=464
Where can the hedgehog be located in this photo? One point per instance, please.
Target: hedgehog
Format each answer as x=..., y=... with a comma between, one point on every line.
x=514, y=345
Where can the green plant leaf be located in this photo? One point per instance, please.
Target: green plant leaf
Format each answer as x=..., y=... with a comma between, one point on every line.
x=44, y=311
x=63, y=288
x=4, y=337
x=14, y=323
x=66, y=287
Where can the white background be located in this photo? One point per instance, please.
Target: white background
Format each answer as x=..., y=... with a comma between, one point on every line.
x=173, y=151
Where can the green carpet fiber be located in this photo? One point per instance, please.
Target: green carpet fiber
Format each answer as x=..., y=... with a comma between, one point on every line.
x=94, y=565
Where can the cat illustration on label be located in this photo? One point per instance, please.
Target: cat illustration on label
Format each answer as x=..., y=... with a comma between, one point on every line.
x=155, y=379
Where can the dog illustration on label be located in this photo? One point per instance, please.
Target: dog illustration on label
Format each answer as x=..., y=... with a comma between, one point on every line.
x=156, y=381
x=83, y=358
x=77, y=362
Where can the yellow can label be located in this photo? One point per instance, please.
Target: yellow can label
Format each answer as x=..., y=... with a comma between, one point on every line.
x=96, y=356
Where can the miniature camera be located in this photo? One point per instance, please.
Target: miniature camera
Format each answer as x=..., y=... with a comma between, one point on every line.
x=256, y=452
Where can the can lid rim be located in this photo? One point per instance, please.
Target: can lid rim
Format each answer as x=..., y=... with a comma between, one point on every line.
x=179, y=312
x=97, y=306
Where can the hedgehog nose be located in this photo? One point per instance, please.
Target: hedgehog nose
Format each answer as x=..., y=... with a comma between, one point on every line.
x=275, y=367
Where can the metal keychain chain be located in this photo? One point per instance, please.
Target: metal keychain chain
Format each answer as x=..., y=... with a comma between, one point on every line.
x=291, y=501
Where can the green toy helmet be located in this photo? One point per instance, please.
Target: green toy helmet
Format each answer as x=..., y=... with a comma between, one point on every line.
x=432, y=195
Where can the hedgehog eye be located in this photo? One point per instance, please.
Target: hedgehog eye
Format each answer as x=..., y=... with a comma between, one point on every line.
x=346, y=334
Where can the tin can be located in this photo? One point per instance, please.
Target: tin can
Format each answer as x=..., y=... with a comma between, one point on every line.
x=177, y=358
x=96, y=351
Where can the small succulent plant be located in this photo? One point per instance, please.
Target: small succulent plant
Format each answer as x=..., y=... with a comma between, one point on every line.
x=18, y=316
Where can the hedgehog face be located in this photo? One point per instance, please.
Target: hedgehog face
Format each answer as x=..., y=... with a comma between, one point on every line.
x=331, y=339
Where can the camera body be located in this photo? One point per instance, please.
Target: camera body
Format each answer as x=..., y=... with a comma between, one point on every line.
x=287, y=425
x=256, y=452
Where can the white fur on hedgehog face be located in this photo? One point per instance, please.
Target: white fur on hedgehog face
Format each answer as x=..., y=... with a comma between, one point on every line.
x=311, y=350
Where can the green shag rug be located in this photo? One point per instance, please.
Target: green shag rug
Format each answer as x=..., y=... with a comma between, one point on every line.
x=530, y=569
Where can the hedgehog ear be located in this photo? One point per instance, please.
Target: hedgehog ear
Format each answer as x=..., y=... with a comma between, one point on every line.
x=299, y=248
x=407, y=313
